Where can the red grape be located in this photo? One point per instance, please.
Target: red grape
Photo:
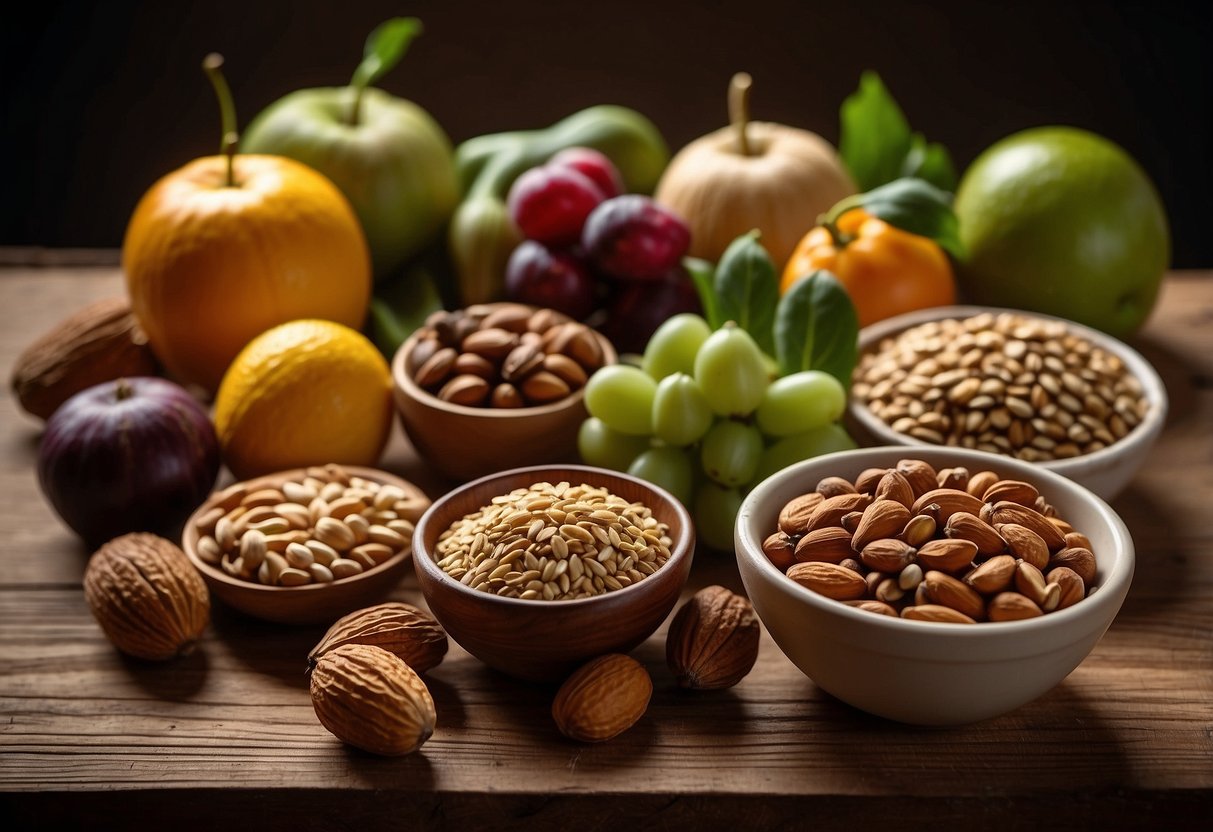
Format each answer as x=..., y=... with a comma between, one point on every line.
x=550, y=204
x=593, y=164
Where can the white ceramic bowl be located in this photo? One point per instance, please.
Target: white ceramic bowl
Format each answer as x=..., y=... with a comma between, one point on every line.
x=1106, y=472
x=921, y=672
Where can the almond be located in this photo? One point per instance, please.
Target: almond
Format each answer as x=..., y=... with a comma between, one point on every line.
x=1008, y=512
x=780, y=550
x=512, y=317
x=1025, y=544
x=506, y=395
x=953, y=478
x=850, y=521
x=921, y=476
x=946, y=590
x=713, y=640
x=565, y=369
x=1072, y=588
x=980, y=482
x=919, y=529
x=602, y=699
x=868, y=479
x=1082, y=561
x=1078, y=540
x=521, y=362
x=948, y=502
x=993, y=576
x=1011, y=606
x=466, y=390
x=833, y=486
x=492, y=343
x=887, y=555
x=794, y=516
x=1014, y=491
x=878, y=607
x=469, y=363
x=947, y=555
x=542, y=387
x=894, y=486
x=436, y=368
x=1030, y=582
x=936, y=612
x=965, y=526
x=830, y=544
x=830, y=580
x=883, y=518
x=831, y=510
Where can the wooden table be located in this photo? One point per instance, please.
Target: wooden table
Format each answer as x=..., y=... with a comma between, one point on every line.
x=227, y=737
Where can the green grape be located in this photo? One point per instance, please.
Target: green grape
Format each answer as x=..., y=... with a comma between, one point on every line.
x=730, y=452
x=673, y=346
x=622, y=396
x=716, y=514
x=793, y=449
x=680, y=412
x=800, y=402
x=731, y=371
x=669, y=468
x=606, y=448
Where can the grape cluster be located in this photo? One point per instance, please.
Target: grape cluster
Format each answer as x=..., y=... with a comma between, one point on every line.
x=703, y=418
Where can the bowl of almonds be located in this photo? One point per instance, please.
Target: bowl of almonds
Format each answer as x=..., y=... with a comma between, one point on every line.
x=495, y=386
x=1029, y=386
x=537, y=570
x=938, y=587
x=306, y=545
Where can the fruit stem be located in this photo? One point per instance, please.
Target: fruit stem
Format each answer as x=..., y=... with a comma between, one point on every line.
x=212, y=65
x=123, y=390
x=355, y=113
x=739, y=108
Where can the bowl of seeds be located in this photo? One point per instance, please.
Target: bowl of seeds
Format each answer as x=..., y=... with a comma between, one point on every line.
x=1024, y=385
x=536, y=570
x=308, y=545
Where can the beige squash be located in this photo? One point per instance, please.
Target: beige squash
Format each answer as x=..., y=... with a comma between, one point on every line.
x=748, y=175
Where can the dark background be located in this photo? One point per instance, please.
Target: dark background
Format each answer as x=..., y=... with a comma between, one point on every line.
x=100, y=99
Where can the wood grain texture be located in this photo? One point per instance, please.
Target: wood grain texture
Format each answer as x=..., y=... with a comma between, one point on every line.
x=228, y=734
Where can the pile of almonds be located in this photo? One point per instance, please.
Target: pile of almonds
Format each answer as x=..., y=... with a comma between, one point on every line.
x=322, y=527
x=503, y=355
x=933, y=546
x=1009, y=384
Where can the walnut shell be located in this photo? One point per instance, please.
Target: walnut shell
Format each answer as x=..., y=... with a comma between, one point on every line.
x=370, y=699
x=99, y=343
x=602, y=698
x=402, y=629
x=147, y=596
x=713, y=640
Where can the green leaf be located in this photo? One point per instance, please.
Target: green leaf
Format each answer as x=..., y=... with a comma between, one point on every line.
x=816, y=328
x=747, y=289
x=875, y=136
x=703, y=275
x=385, y=47
x=911, y=205
x=400, y=307
x=930, y=162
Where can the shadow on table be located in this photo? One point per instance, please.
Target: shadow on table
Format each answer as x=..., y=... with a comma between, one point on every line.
x=176, y=681
x=275, y=650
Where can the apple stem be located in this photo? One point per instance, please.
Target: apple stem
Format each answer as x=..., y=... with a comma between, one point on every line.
x=739, y=108
x=123, y=390
x=212, y=64
x=355, y=113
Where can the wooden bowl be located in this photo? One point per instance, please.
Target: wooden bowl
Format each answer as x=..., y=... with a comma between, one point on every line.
x=546, y=640
x=462, y=443
x=311, y=603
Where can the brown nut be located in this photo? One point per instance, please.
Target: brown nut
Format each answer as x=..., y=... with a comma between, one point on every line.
x=953, y=478
x=512, y=317
x=980, y=482
x=467, y=390
x=887, y=555
x=371, y=699
x=493, y=344
x=436, y=368
x=402, y=629
x=993, y=576
x=1014, y=491
x=780, y=550
x=542, y=387
x=1025, y=544
x=869, y=605
x=921, y=476
x=936, y=612
x=949, y=501
x=1011, y=606
x=833, y=486
x=523, y=360
x=713, y=640
x=1006, y=511
x=883, y=518
x=794, y=516
x=830, y=544
x=869, y=479
x=1072, y=588
x=1082, y=561
x=469, y=363
x=832, y=509
x=829, y=579
x=146, y=595
x=566, y=369
x=506, y=395
x=965, y=526
x=602, y=699
x=946, y=590
x=894, y=486
x=947, y=555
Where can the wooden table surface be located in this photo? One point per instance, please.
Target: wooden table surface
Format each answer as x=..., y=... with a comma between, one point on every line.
x=91, y=739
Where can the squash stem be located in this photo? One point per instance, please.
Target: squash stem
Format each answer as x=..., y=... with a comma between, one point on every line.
x=739, y=109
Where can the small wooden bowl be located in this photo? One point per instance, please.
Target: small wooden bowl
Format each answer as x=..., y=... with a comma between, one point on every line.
x=462, y=443
x=311, y=603
x=547, y=640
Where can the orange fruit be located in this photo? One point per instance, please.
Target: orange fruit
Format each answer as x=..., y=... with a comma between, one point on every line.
x=885, y=271
x=209, y=266
x=304, y=393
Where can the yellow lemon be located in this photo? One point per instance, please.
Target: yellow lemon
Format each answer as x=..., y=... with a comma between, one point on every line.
x=304, y=393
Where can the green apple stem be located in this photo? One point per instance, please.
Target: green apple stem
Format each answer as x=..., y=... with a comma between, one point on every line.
x=212, y=64
x=355, y=113
x=739, y=109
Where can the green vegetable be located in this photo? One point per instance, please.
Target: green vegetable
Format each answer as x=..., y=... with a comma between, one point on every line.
x=816, y=328
x=385, y=46
x=877, y=145
x=481, y=235
x=912, y=205
x=401, y=306
x=747, y=289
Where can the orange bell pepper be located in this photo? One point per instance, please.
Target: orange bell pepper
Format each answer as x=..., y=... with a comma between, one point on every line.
x=886, y=271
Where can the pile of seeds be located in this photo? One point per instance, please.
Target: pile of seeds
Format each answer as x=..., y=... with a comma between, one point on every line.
x=1007, y=383
x=554, y=543
x=323, y=527
x=944, y=546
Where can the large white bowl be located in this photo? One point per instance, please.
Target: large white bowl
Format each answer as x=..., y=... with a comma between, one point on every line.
x=921, y=672
x=1106, y=472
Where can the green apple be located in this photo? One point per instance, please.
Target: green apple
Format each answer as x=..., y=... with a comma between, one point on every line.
x=1062, y=221
x=387, y=155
